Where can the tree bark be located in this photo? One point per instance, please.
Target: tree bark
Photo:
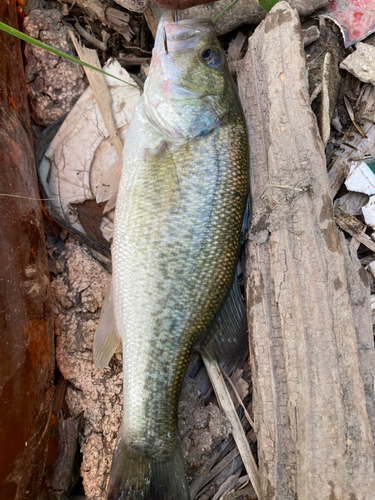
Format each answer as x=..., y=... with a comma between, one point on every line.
x=27, y=351
x=314, y=435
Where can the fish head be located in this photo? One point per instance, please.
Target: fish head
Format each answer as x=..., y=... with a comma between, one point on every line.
x=188, y=89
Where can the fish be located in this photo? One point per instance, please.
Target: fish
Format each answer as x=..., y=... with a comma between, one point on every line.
x=182, y=195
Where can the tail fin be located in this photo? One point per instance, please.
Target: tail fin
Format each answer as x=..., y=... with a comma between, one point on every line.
x=135, y=476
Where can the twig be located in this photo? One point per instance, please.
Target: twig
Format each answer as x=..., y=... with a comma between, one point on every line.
x=132, y=48
x=95, y=9
x=239, y=435
x=133, y=61
x=352, y=117
x=89, y=38
x=249, y=419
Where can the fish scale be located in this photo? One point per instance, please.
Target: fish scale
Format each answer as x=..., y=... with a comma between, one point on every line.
x=198, y=279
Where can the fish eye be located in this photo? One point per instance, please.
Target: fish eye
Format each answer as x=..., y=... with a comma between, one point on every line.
x=212, y=56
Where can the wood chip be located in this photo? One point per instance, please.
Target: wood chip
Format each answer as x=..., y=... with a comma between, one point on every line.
x=151, y=23
x=95, y=9
x=235, y=47
x=354, y=227
x=330, y=88
x=310, y=35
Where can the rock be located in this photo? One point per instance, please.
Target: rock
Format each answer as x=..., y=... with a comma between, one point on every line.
x=242, y=12
x=54, y=84
x=361, y=63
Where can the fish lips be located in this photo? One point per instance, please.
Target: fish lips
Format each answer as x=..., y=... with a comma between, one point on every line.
x=181, y=35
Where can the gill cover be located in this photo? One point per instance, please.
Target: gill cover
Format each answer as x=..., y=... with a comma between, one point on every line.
x=185, y=92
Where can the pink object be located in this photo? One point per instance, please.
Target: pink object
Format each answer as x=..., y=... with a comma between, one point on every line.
x=356, y=18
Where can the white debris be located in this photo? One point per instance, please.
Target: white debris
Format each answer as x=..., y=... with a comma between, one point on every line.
x=81, y=151
x=369, y=212
x=361, y=179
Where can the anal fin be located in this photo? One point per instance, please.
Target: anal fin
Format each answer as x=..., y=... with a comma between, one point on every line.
x=226, y=337
x=106, y=337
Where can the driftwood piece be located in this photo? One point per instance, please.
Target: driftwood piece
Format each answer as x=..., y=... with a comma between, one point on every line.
x=359, y=293
x=314, y=436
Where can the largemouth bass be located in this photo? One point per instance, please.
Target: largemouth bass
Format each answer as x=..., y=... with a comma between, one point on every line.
x=177, y=227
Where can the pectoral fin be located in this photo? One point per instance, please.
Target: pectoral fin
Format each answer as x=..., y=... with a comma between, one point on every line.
x=106, y=337
x=226, y=337
x=162, y=174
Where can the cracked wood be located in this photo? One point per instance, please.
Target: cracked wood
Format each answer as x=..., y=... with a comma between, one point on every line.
x=313, y=430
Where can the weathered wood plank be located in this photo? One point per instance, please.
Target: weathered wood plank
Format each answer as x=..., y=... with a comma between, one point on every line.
x=313, y=430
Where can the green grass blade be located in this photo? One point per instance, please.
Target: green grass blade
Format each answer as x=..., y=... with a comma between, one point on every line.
x=216, y=18
x=57, y=52
x=267, y=4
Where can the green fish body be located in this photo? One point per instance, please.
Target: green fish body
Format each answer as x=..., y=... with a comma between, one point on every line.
x=177, y=227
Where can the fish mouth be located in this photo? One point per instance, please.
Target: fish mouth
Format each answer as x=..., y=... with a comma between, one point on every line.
x=173, y=36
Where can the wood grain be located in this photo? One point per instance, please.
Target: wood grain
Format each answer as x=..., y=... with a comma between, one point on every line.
x=314, y=436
